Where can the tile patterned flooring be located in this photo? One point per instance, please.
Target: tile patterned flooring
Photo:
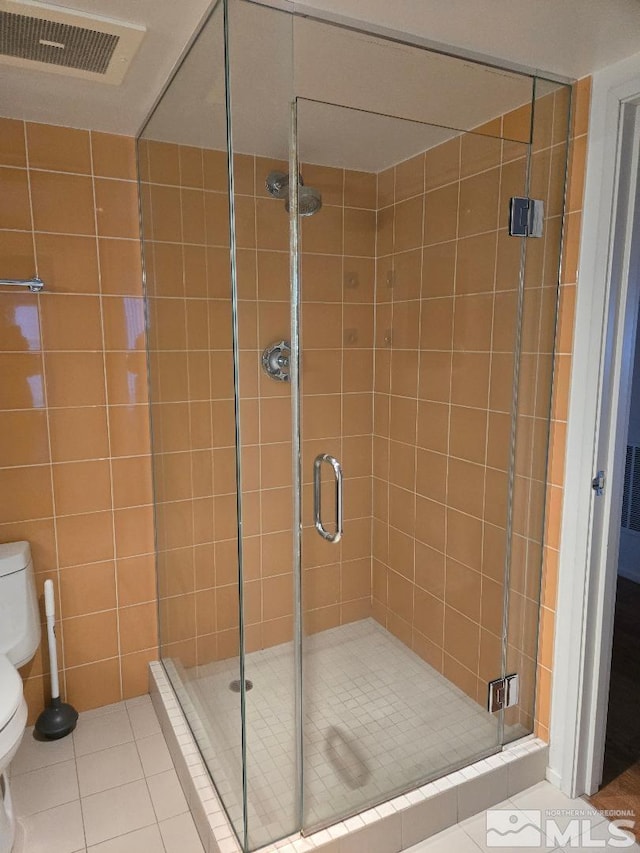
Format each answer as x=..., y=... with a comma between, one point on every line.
x=112, y=788
x=592, y=832
x=377, y=718
x=109, y=788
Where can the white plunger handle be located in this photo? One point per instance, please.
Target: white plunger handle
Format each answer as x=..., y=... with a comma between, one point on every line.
x=50, y=610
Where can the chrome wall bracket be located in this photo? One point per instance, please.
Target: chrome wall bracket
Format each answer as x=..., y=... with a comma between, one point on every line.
x=526, y=217
x=503, y=693
x=275, y=361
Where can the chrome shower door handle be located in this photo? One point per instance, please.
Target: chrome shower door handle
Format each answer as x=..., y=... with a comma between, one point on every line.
x=317, y=497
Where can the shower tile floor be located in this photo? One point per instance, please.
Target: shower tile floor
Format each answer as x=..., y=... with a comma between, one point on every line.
x=377, y=719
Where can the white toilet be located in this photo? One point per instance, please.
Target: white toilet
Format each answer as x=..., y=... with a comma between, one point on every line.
x=19, y=640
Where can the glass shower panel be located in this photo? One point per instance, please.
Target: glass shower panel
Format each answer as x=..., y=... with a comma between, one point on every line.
x=347, y=67
x=409, y=303
x=184, y=187
x=533, y=478
x=326, y=666
x=261, y=75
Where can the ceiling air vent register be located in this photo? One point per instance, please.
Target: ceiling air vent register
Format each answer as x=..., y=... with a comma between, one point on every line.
x=48, y=38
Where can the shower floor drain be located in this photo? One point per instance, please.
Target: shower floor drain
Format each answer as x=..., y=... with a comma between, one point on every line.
x=234, y=686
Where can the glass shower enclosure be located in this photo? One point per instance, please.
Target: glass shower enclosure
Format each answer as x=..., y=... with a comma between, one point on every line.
x=350, y=378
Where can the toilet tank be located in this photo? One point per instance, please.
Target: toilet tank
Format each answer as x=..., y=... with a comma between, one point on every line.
x=19, y=614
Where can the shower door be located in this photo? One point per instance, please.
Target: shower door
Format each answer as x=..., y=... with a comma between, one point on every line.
x=409, y=302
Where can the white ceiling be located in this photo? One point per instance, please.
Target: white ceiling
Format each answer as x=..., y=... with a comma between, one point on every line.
x=571, y=38
x=54, y=99
x=567, y=37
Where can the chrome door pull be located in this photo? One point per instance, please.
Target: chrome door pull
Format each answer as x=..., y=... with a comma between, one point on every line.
x=317, y=497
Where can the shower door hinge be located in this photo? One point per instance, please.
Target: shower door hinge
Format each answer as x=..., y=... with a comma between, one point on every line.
x=526, y=216
x=503, y=692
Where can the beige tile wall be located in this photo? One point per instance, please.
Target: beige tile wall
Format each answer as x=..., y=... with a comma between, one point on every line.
x=446, y=315
x=446, y=287
x=74, y=443
x=562, y=369
x=185, y=201
x=548, y=165
x=338, y=293
x=187, y=274
x=73, y=418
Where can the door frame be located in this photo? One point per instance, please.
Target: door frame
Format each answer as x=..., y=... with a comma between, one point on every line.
x=605, y=331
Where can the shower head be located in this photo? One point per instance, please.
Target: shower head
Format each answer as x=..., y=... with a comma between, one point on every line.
x=309, y=199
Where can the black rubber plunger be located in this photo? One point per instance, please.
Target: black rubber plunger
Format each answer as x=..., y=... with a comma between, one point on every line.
x=59, y=718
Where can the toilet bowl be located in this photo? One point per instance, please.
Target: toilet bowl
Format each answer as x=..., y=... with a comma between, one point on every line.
x=13, y=719
x=19, y=640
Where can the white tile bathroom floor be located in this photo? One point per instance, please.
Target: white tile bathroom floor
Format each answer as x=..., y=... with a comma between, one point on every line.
x=588, y=832
x=111, y=787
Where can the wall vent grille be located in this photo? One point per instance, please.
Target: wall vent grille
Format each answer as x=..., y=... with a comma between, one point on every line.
x=48, y=38
x=631, y=494
x=58, y=44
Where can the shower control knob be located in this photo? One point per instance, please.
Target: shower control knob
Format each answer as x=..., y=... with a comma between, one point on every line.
x=275, y=361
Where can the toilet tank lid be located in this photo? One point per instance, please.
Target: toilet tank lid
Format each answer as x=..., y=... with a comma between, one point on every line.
x=14, y=556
